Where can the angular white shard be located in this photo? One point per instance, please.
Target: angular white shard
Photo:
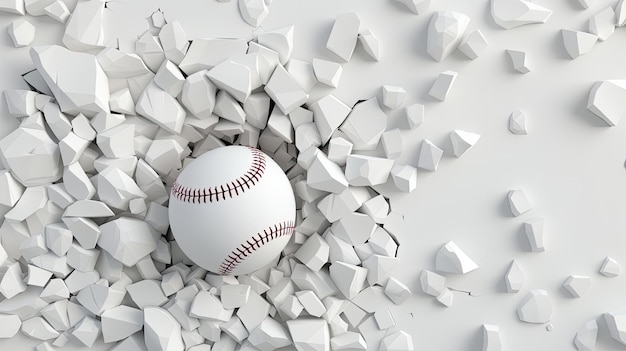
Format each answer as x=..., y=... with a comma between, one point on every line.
x=207, y=306
x=397, y=291
x=616, y=323
x=311, y=303
x=207, y=53
x=234, y=296
x=11, y=281
x=20, y=103
x=149, y=48
x=445, y=32
x=85, y=28
x=280, y=40
x=379, y=268
x=311, y=334
x=535, y=307
x=610, y=267
x=117, y=189
x=451, y=259
x=327, y=72
x=578, y=43
x=58, y=11
x=254, y=311
x=37, y=328
x=446, y=298
x=269, y=335
x=585, y=339
x=118, y=141
x=404, y=177
x=314, y=252
x=161, y=108
x=174, y=41
x=78, y=82
x=253, y=12
x=398, y=341
x=325, y=175
x=303, y=73
x=233, y=77
x=518, y=202
x=13, y=6
x=429, y=156
x=77, y=183
x=416, y=6
x=603, y=23
x=355, y=228
x=514, y=278
x=118, y=64
x=33, y=199
x=122, y=102
x=491, y=338
x=306, y=135
x=620, y=13
x=393, y=97
x=127, y=239
x=370, y=43
x=328, y=114
x=146, y=293
x=343, y=36
x=519, y=60
x=280, y=125
x=21, y=32
x=534, y=233
x=577, y=285
x=462, y=141
x=378, y=208
x=348, y=341
x=36, y=276
x=55, y=290
x=365, y=124
x=198, y=94
x=364, y=170
x=604, y=100
x=235, y=329
x=161, y=331
x=586, y=3
x=82, y=259
x=442, y=85
x=228, y=108
x=169, y=78
x=384, y=319
x=473, y=44
x=87, y=331
x=341, y=250
x=517, y=122
x=284, y=90
x=348, y=278
x=11, y=324
x=514, y=13
x=432, y=283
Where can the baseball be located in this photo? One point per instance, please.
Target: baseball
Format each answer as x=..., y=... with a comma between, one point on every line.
x=232, y=210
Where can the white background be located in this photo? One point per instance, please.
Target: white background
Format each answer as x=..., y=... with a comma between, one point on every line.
x=570, y=165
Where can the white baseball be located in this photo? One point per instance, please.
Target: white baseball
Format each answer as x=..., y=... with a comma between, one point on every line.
x=232, y=210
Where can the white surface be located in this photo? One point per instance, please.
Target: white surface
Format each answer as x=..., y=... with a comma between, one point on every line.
x=571, y=165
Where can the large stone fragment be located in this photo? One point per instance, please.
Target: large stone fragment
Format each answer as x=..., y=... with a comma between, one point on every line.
x=161, y=108
x=451, y=259
x=161, y=331
x=445, y=32
x=585, y=339
x=84, y=30
x=310, y=334
x=514, y=13
x=365, y=124
x=76, y=79
x=127, y=239
x=535, y=307
x=606, y=100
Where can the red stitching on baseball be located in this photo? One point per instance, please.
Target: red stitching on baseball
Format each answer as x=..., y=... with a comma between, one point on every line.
x=244, y=250
x=230, y=189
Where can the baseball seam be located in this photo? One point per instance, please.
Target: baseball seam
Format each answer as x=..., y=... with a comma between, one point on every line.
x=238, y=255
x=229, y=189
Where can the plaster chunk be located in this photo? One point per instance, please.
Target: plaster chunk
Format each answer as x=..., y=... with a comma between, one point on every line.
x=161, y=331
x=462, y=141
x=285, y=91
x=518, y=202
x=514, y=13
x=269, y=335
x=348, y=278
x=343, y=36
x=85, y=28
x=174, y=42
x=327, y=72
x=233, y=77
x=451, y=259
x=127, y=239
x=367, y=170
x=328, y=114
x=445, y=31
x=535, y=307
x=442, y=85
x=604, y=98
x=352, y=341
x=517, y=122
x=578, y=43
x=514, y=278
x=474, y=44
x=398, y=341
x=404, y=177
x=519, y=60
x=280, y=40
x=21, y=32
x=354, y=228
x=603, y=23
x=610, y=267
x=11, y=282
x=416, y=6
x=585, y=339
x=371, y=44
x=118, y=64
x=491, y=338
x=206, y=53
x=325, y=175
x=311, y=334
x=37, y=328
x=13, y=6
x=253, y=12
x=11, y=324
x=432, y=283
x=429, y=156
x=577, y=285
x=161, y=108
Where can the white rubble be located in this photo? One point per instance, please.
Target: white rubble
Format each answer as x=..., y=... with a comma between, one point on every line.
x=577, y=285
x=58, y=11
x=279, y=40
x=491, y=338
x=474, y=44
x=445, y=32
x=13, y=6
x=161, y=108
x=519, y=60
x=269, y=335
x=365, y=124
x=451, y=259
x=327, y=72
x=610, y=267
x=603, y=23
x=604, y=99
x=328, y=114
x=578, y=43
x=514, y=278
x=442, y=85
x=343, y=36
x=310, y=302
x=232, y=77
x=228, y=108
x=169, y=78
x=518, y=202
x=303, y=73
x=398, y=341
x=378, y=208
x=514, y=13
x=429, y=156
x=379, y=268
x=31, y=156
x=585, y=339
x=355, y=228
x=364, y=170
x=325, y=175
x=462, y=141
x=404, y=177
x=535, y=307
x=393, y=97
x=11, y=281
x=85, y=27
x=37, y=328
x=397, y=291
x=314, y=252
x=117, y=189
x=517, y=122
x=206, y=53
x=61, y=69
x=127, y=239
x=253, y=12
x=348, y=278
x=371, y=44
x=432, y=283
x=416, y=6
x=348, y=341
x=309, y=334
x=77, y=183
x=285, y=91
x=11, y=324
x=161, y=331
x=207, y=306
x=33, y=199
x=533, y=229
x=414, y=115
x=174, y=41
x=21, y=32
x=87, y=331
x=20, y=103
x=616, y=323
